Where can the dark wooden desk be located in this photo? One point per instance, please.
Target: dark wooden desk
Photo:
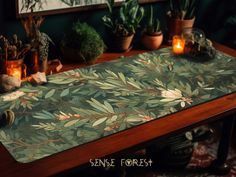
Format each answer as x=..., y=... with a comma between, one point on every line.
x=194, y=116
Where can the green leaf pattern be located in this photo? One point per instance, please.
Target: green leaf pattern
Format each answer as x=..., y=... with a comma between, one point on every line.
x=82, y=105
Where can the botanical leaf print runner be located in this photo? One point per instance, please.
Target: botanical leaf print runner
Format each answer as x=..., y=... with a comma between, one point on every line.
x=83, y=105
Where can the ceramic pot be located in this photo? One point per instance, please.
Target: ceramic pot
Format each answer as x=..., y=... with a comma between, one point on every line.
x=121, y=43
x=177, y=26
x=152, y=42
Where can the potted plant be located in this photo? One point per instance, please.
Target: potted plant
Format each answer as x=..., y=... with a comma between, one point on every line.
x=152, y=36
x=82, y=44
x=39, y=43
x=123, y=23
x=181, y=14
x=12, y=52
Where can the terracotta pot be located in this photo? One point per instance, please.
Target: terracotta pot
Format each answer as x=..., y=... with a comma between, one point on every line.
x=177, y=26
x=152, y=42
x=121, y=43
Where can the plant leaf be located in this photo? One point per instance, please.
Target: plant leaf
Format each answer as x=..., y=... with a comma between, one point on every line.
x=99, y=121
x=65, y=92
x=50, y=93
x=70, y=123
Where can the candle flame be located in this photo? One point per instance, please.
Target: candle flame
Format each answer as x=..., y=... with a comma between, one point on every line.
x=178, y=45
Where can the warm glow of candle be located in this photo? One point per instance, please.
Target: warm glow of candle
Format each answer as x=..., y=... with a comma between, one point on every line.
x=178, y=45
x=15, y=72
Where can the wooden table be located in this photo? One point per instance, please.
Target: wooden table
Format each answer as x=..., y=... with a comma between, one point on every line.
x=224, y=107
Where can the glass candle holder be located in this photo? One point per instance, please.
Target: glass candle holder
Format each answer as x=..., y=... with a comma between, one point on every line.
x=14, y=68
x=178, y=45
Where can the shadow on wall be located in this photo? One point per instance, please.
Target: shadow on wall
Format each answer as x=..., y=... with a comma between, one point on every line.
x=218, y=19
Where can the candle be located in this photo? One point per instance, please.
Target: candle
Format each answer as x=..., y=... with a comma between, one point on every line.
x=14, y=71
x=178, y=45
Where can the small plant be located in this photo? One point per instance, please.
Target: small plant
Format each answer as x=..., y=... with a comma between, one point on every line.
x=152, y=36
x=181, y=9
x=126, y=20
x=12, y=49
x=85, y=40
x=37, y=39
x=153, y=25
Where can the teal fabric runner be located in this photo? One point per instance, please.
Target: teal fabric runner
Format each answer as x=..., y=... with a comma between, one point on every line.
x=86, y=104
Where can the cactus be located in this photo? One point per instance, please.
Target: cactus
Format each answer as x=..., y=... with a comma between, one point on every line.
x=153, y=25
x=181, y=9
x=127, y=20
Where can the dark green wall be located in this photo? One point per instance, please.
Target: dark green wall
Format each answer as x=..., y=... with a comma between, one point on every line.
x=57, y=25
x=211, y=17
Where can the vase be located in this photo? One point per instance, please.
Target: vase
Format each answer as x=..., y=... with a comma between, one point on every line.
x=32, y=62
x=43, y=65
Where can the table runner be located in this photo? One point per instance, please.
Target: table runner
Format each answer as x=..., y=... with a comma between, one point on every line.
x=86, y=104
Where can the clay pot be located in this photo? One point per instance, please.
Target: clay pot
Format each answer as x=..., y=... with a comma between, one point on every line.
x=121, y=43
x=177, y=26
x=152, y=42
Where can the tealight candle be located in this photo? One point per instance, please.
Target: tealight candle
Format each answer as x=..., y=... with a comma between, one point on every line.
x=14, y=68
x=178, y=45
x=14, y=71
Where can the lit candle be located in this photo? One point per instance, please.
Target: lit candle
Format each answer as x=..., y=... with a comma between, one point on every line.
x=178, y=45
x=15, y=72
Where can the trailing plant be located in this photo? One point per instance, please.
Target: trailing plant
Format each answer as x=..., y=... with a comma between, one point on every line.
x=85, y=40
x=153, y=25
x=126, y=20
x=12, y=49
x=181, y=9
